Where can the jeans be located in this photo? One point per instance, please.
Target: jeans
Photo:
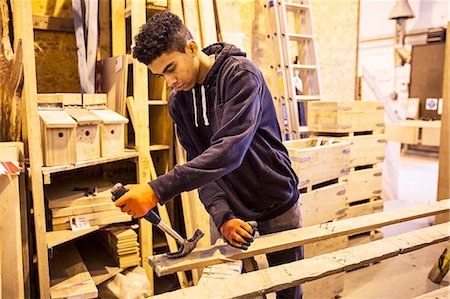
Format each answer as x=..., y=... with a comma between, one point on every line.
x=288, y=220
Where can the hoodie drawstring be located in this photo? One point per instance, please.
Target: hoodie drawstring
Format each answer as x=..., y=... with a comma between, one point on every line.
x=194, y=103
x=204, y=108
x=205, y=116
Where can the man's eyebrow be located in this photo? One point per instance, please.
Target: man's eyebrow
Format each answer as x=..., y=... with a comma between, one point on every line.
x=165, y=69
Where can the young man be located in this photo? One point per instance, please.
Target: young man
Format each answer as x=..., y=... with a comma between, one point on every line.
x=227, y=123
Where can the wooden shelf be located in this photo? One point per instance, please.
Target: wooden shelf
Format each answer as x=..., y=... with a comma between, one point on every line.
x=59, y=168
x=157, y=102
x=56, y=238
x=99, y=263
x=159, y=147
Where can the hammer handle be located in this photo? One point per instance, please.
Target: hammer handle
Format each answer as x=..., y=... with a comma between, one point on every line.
x=119, y=190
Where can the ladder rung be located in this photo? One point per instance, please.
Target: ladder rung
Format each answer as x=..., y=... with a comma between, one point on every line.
x=290, y=5
x=307, y=98
x=304, y=66
x=297, y=36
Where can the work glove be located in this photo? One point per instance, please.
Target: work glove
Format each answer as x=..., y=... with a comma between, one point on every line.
x=237, y=233
x=138, y=201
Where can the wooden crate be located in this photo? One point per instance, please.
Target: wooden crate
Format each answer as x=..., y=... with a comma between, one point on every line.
x=58, y=137
x=323, y=204
x=368, y=206
x=345, y=116
x=363, y=184
x=112, y=142
x=87, y=140
x=366, y=149
x=315, y=163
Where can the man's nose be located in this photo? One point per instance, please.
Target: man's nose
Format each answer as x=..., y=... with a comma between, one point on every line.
x=171, y=80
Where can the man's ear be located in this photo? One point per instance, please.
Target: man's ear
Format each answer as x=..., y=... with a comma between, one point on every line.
x=191, y=47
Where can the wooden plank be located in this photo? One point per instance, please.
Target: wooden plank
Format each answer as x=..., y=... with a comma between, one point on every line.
x=92, y=43
x=59, y=168
x=194, y=212
x=444, y=149
x=140, y=94
x=70, y=277
x=366, y=149
x=207, y=21
x=104, y=38
x=23, y=29
x=53, y=23
x=81, y=52
x=308, y=157
x=118, y=32
x=114, y=82
x=192, y=21
x=323, y=204
x=100, y=265
x=288, y=239
x=12, y=282
x=55, y=238
x=287, y=275
x=441, y=293
x=363, y=184
x=176, y=7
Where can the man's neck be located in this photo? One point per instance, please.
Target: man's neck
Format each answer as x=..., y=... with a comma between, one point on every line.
x=206, y=63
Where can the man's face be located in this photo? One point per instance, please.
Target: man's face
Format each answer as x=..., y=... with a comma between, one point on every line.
x=178, y=69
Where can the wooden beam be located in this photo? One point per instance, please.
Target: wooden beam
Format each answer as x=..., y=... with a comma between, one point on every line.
x=207, y=21
x=140, y=94
x=118, y=31
x=444, y=149
x=104, y=38
x=194, y=212
x=53, y=23
x=23, y=29
x=442, y=292
x=284, y=276
x=92, y=44
x=295, y=237
x=81, y=46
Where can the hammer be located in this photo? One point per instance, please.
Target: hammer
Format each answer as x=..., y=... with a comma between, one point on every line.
x=186, y=246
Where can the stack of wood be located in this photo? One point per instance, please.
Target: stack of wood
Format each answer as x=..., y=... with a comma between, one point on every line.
x=122, y=244
x=319, y=164
x=362, y=124
x=82, y=200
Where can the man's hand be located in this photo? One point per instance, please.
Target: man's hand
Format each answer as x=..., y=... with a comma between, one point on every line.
x=138, y=201
x=237, y=233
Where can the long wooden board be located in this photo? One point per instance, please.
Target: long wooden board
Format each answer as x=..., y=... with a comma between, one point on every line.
x=291, y=238
x=441, y=293
x=284, y=276
x=70, y=277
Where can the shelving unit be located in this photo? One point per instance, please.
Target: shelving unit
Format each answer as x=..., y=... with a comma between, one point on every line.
x=46, y=241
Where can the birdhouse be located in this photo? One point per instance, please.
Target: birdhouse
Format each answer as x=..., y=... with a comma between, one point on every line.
x=112, y=142
x=87, y=139
x=58, y=137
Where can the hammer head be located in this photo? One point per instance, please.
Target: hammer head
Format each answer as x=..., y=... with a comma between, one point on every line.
x=187, y=246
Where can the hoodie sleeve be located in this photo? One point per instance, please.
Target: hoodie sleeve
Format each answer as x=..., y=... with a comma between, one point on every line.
x=229, y=145
x=211, y=195
x=214, y=199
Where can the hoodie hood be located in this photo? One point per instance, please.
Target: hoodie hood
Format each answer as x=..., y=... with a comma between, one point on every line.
x=222, y=51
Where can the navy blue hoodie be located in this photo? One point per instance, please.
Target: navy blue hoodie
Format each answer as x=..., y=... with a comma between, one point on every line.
x=230, y=131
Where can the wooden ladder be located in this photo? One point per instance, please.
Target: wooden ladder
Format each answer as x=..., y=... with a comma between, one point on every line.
x=297, y=67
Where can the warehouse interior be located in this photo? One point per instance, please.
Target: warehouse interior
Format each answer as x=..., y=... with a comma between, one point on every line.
x=358, y=101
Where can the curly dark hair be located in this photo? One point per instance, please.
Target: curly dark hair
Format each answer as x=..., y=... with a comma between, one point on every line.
x=163, y=33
